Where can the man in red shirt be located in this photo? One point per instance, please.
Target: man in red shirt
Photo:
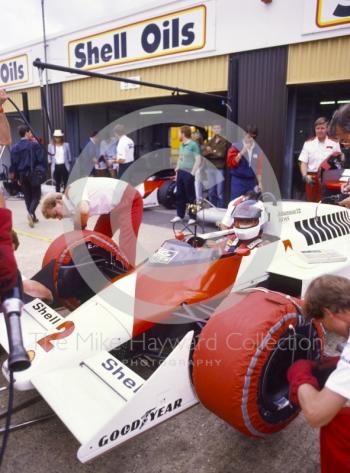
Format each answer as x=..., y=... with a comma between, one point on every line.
x=8, y=267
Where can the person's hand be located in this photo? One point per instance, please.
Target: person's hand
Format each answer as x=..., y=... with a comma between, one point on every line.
x=300, y=373
x=308, y=180
x=345, y=188
x=3, y=97
x=345, y=203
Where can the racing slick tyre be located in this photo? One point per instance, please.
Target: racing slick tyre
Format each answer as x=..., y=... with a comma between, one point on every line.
x=166, y=194
x=242, y=357
x=77, y=251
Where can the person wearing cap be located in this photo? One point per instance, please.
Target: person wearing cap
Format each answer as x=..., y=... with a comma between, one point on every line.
x=314, y=152
x=60, y=159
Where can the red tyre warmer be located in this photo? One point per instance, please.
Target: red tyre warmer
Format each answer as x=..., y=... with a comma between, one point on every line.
x=61, y=250
x=231, y=355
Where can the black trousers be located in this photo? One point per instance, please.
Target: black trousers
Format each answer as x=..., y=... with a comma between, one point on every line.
x=122, y=168
x=32, y=194
x=60, y=175
x=185, y=192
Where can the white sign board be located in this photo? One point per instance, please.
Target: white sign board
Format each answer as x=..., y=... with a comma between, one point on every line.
x=328, y=15
x=168, y=34
x=14, y=70
x=332, y=13
x=130, y=86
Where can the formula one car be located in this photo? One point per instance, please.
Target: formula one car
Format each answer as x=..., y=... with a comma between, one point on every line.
x=159, y=189
x=220, y=322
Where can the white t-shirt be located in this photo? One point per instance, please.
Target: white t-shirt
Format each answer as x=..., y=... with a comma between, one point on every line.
x=339, y=380
x=101, y=193
x=59, y=155
x=125, y=149
x=314, y=152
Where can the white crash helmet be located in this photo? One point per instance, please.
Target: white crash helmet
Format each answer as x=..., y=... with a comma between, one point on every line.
x=248, y=219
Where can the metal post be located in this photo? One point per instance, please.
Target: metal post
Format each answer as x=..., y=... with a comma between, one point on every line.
x=46, y=86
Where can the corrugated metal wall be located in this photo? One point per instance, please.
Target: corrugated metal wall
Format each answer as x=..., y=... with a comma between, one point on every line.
x=204, y=75
x=319, y=61
x=56, y=106
x=34, y=101
x=262, y=99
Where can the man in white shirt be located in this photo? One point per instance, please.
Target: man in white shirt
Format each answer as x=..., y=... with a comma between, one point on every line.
x=327, y=299
x=314, y=152
x=117, y=203
x=125, y=149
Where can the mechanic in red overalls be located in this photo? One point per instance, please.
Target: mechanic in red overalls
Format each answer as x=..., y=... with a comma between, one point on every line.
x=314, y=152
x=8, y=267
x=327, y=299
x=117, y=203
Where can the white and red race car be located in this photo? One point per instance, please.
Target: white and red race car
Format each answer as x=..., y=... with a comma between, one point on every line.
x=228, y=342
x=159, y=189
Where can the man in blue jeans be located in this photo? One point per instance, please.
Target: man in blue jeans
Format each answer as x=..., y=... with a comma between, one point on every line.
x=188, y=163
x=28, y=167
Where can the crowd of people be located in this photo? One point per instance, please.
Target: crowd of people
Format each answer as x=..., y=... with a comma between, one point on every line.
x=327, y=297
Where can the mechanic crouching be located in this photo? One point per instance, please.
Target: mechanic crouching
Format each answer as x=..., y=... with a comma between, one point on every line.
x=328, y=300
x=117, y=203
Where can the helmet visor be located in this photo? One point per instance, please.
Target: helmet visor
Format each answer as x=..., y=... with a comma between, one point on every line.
x=245, y=222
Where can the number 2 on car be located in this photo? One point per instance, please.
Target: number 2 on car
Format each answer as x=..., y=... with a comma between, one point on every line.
x=67, y=327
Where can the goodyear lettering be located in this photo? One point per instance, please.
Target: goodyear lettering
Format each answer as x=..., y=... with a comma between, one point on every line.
x=149, y=416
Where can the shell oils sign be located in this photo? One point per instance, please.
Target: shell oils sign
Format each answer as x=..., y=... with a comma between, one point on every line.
x=14, y=70
x=332, y=13
x=173, y=33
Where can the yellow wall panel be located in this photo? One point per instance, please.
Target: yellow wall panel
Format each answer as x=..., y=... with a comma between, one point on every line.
x=319, y=61
x=203, y=75
x=34, y=100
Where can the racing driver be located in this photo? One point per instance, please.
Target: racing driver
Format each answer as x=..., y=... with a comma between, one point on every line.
x=246, y=217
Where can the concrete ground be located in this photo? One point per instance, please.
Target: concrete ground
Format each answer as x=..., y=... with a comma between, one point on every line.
x=195, y=440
